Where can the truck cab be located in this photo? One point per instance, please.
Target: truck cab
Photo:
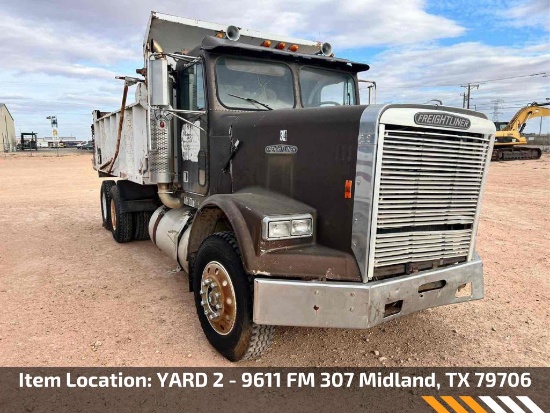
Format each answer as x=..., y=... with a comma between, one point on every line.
x=249, y=160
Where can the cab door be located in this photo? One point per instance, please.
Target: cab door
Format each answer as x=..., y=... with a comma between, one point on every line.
x=193, y=143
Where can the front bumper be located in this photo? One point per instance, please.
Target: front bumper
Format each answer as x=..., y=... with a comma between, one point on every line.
x=358, y=305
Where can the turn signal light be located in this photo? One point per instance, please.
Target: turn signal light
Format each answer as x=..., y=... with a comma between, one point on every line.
x=280, y=45
x=347, y=192
x=293, y=48
x=266, y=43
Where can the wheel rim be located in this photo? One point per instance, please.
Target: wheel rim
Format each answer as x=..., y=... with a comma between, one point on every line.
x=113, y=214
x=218, y=298
x=104, y=206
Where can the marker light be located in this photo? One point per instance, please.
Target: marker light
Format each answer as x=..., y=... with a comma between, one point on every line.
x=347, y=192
x=266, y=43
x=220, y=35
x=280, y=45
x=293, y=48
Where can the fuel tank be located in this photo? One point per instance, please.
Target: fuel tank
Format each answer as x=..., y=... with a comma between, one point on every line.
x=169, y=231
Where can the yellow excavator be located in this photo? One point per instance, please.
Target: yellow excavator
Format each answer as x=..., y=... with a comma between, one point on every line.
x=508, y=140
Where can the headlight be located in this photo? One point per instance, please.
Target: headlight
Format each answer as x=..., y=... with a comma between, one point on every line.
x=287, y=226
x=301, y=227
x=279, y=229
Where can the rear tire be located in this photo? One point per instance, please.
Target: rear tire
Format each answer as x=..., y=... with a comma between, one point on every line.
x=223, y=297
x=141, y=225
x=122, y=223
x=105, y=201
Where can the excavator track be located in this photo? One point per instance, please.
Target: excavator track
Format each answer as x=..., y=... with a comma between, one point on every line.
x=515, y=153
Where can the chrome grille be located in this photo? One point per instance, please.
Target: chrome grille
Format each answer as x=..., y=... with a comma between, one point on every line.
x=428, y=191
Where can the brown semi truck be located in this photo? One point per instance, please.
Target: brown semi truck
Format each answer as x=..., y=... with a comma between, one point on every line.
x=249, y=160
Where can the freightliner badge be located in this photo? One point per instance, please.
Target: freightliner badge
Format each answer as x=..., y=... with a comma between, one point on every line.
x=281, y=149
x=443, y=120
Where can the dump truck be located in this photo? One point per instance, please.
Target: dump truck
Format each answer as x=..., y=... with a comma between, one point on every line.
x=248, y=159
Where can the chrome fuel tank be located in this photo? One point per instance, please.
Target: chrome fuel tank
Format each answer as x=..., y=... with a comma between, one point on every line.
x=169, y=231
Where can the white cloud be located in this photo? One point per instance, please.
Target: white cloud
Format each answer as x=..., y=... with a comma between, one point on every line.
x=58, y=50
x=62, y=55
x=353, y=23
x=37, y=46
x=532, y=13
x=418, y=74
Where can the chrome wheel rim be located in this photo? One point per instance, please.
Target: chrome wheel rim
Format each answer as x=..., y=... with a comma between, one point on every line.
x=113, y=214
x=218, y=298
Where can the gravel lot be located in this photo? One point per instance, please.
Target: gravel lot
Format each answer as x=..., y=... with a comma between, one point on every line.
x=71, y=296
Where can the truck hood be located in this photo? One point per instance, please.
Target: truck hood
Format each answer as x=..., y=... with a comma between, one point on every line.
x=305, y=154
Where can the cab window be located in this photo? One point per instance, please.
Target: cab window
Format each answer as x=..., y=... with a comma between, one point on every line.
x=254, y=84
x=192, y=88
x=320, y=87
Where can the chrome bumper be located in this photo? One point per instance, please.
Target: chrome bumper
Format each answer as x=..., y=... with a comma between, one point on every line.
x=357, y=305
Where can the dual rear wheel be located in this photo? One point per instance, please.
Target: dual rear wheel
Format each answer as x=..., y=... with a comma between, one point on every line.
x=125, y=226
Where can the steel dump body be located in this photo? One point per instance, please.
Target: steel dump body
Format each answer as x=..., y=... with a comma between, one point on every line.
x=345, y=215
x=131, y=163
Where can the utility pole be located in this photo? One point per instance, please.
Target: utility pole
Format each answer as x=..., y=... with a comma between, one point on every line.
x=53, y=121
x=496, y=108
x=468, y=87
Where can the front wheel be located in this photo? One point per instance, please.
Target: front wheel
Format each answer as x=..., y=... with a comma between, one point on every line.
x=223, y=297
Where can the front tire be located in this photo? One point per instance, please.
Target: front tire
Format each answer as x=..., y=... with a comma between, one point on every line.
x=223, y=297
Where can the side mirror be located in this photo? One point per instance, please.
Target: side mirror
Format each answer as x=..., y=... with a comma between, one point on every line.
x=158, y=82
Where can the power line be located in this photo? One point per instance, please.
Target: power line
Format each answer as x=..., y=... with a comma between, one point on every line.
x=543, y=74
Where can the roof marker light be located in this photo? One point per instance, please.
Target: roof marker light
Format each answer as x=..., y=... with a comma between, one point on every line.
x=266, y=43
x=280, y=45
x=293, y=48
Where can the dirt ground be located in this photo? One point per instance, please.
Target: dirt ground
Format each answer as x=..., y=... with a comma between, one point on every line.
x=71, y=296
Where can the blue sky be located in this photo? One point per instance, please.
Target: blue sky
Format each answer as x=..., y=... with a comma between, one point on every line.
x=60, y=57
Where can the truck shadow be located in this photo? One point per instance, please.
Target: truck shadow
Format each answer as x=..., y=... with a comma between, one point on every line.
x=421, y=339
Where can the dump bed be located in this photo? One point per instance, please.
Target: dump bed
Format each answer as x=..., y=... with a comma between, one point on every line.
x=176, y=34
x=131, y=160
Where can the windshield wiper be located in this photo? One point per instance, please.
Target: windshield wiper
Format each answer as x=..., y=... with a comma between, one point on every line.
x=252, y=100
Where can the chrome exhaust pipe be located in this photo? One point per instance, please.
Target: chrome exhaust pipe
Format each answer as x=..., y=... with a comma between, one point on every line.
x=167, y=197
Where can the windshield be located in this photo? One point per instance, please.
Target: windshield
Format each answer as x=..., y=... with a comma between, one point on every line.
x=251, y=84
x=501, y=125
x=326, y=88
